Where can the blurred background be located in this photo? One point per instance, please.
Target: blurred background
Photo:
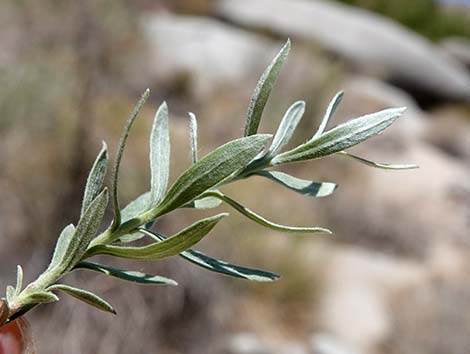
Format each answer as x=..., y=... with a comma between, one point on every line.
x=394, y=277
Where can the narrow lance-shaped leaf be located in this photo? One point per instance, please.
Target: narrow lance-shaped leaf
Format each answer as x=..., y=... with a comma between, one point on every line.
x=19, y=279
x=210, y=170
x=85, y=296
x=263, y=90
x=95, y=181
x=170, y=247
x=41, y=297
x=132, y=210
x=328, y=114
x=86, y=230
x=193, y=136
x=286, y=128
x=299, y=185
x=137, y=277
x=120, y=151
x=261, y=220
x=384, y=166
x=61, y=246
x=220, y=266
x=159, y=155
x=10, y=293
x=204, y=203
x=342, y=137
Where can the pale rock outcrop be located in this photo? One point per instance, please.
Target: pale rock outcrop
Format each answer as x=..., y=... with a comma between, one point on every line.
x=374, y=44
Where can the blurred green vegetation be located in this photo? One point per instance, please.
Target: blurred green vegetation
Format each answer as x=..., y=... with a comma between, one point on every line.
x=426, y=17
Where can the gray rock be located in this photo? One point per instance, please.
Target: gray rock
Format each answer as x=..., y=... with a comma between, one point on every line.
x=401, y=212
x=203, y=54
x=324, y=343
x=364, y=95
x=353, y=310
x=372, y=43
x=246, y=343
x=459, y=48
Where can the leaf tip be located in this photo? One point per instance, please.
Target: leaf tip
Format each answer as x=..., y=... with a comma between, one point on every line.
x=288, y=44
x=221, y=215
x=400, y=110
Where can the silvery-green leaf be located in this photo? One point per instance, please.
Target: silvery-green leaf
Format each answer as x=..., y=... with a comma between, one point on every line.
x=130, y=237
x=261, y=220
x=329, y=113
x=137, y=277
x=61, y=246
x=193, y=136
x=19, y=279
x=263, y=90
x=40, y=297
x=86, y=230
x=135, y=208
x=384, y=166
x=299, y=185
x=10, y=293
x=286, y=128
x=132, y=210
x=342, y=137
x=210, y=170
x=207, y=203
x=204, y=203
x=85, y=296
x=120, y=151
x=170, y=247
x=220, y=266
x=96, y=177
x=159, y=155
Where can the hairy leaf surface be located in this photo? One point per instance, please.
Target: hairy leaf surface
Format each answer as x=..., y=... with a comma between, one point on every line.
x=263, y=90
x=170, y=247
x=342, y=137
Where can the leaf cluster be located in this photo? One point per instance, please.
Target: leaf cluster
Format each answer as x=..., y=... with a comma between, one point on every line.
x=199, y=187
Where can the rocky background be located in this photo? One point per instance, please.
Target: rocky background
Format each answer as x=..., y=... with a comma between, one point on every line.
x=394, y=279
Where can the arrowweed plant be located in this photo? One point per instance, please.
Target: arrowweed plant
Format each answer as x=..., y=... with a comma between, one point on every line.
x=198, y=187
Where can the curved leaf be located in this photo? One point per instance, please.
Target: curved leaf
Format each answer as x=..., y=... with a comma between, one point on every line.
x=159, y=155
x=219, y=266
x=299, y=185
x=137, y=277
x=286, y=128
x=10, y=293
x=95, y=180
x=119, y=153
x=384, y=166
x=193, y=136
x=19, y=279
x=61, y=246
x=261, y=220
x=329, y=113
x=41, y=297
x=170, y=247
x=85, y=296
x=263, y=90
x=342, y=137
